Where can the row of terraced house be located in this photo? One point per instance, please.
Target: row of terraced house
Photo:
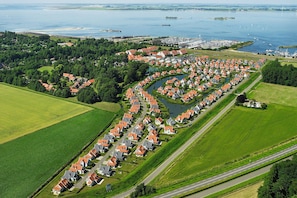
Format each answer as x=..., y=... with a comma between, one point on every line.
x=152, y=124
x=203, y=75
x=134, y=135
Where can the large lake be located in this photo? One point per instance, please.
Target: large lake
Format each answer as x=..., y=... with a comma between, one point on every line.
x=268, y=29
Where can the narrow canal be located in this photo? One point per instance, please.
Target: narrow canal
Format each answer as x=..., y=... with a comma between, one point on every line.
x=173, y=108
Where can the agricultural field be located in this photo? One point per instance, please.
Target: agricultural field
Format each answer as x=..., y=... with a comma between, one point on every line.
x=288, y=62
x=238, y=134
x=231, y=54
x=250, y=191
x=24, y=112
x=274, y=94
x=28, y=161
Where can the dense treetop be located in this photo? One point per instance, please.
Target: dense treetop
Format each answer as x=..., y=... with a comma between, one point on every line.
x=273, y=72
x=281, y=181
x=21, y=56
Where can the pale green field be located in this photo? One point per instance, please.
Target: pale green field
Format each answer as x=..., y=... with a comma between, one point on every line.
x=288, y=62
x=250, y=191
x=277, y=94
x=23, y=112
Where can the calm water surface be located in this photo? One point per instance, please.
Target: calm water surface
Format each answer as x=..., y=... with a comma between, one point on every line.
x=268, y=29
x=174, y=109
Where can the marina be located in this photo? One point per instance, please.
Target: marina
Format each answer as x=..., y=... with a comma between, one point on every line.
x=267, y=29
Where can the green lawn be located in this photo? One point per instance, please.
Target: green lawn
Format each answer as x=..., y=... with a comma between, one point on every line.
x=238, y=134
x=27, y=162
x=24, y=112
x=46, y=68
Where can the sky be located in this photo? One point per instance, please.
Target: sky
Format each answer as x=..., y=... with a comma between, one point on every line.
x=236, y=2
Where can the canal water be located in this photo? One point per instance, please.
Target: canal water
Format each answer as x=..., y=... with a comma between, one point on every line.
x=174, y=109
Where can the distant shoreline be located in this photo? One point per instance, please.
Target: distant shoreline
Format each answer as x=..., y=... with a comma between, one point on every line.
x=177, y=7
x=287, y=46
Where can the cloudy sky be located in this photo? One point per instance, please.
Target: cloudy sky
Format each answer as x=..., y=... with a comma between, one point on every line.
x=279, y=2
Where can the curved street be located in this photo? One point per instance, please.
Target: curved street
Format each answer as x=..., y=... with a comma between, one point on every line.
x=179, y=151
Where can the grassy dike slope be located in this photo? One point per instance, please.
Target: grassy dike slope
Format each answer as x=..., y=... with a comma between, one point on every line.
x=238, y=134
x=27, y=162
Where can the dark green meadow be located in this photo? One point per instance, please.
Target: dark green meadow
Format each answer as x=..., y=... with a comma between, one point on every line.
x=27, y=162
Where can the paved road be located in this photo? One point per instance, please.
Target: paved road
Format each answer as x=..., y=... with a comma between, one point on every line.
x=179, y=151
x=228, y=174
x=232, y=182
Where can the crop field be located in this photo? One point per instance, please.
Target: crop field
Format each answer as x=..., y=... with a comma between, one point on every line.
x=250, y=191
x=38, y=135
x=27, y=162
x=239, y=133
x=24, y=112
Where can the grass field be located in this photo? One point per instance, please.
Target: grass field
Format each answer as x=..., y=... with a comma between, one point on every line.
x=46, y=68
x=23, y=112
x=238, y=134
x=288, y=62
x=224, y=54
x=247, y=192
x=27, y=162
x=277, y=94
x=106, y=106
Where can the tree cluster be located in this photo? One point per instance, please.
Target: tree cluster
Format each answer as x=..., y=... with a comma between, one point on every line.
x=240, y=99
x=142, y=190
x=88, y=95
x=274, y=73
x=21, y=56
x=281, y=180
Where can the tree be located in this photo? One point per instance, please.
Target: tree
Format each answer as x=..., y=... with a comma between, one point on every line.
x=142, y=190
x=275, y=73
x=88, y=95
x=36, y=85
x=281, y=181
x=264, y=106
x=241, y=99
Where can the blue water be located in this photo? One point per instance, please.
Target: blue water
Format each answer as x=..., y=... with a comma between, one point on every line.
x=268, y=29
x=173, y=108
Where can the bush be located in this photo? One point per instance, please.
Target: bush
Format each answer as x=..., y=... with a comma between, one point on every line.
x=142, y=190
